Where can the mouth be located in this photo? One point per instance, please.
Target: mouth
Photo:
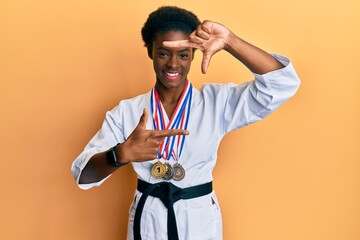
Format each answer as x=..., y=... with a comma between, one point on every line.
x=171, y=75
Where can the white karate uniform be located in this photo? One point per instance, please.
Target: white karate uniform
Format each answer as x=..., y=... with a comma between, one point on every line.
x=216, y=110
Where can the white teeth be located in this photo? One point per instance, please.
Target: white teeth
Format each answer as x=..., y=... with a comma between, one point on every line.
x=172, y=74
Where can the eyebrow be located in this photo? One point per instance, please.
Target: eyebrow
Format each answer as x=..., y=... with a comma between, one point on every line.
x=167, y=49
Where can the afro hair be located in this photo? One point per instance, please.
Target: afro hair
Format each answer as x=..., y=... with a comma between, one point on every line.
x=165, y=19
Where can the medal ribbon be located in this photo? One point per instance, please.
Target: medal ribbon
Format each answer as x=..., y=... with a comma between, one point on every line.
x=179, y=120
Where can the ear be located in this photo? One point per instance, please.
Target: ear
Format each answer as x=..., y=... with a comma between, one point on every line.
x=149, y=50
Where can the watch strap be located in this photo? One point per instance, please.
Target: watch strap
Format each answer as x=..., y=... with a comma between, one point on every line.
x=111, y=157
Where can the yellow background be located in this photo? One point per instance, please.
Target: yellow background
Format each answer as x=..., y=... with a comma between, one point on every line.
x=63, y=64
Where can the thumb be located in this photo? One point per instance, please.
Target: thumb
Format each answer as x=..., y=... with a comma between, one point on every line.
x=205, y=61
x=143, y=119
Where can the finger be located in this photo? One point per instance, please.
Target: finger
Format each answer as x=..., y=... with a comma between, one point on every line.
x=196, y=39
x=143, y=119
x=170, y=132
x=180, y=44
x=154, y=139
x=159, y=141
x=205, y=62
x=207, y=26
x=202, y=34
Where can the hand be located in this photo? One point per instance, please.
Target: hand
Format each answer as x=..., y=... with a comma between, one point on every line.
x=142, y=144
x=209, y=37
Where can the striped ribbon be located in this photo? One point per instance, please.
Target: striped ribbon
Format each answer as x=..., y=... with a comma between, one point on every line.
x=179, y=120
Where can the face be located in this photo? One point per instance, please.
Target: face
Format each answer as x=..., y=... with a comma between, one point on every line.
x=171, y=65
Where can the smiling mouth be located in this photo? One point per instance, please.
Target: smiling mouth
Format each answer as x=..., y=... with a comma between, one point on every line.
x=172, y=74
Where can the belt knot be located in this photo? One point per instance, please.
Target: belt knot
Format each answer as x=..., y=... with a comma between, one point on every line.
x=169, y=193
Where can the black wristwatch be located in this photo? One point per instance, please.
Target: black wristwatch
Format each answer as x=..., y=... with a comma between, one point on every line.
x=111, y=157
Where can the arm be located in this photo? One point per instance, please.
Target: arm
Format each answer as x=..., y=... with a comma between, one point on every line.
x=211, y=37
x=257, y=60
x=251, y=101
x=141, y=145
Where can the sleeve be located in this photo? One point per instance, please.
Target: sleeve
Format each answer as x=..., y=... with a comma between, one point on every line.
x=252, y=101
x=109, y=135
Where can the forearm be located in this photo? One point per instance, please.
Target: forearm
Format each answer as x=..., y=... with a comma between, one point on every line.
x=96, y=169
x=257, y=60
x=99, y=167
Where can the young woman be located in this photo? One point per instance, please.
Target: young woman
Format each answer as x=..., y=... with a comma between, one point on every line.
x=171, y=134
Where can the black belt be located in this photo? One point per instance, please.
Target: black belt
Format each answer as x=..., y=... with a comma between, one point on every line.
x=168, y=194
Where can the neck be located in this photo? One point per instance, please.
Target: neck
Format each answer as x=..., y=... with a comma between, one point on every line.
x=169, y=95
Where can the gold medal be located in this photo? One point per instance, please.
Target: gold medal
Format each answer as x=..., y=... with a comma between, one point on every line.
x=169, y=173
x=158, y=170
x=179, y=172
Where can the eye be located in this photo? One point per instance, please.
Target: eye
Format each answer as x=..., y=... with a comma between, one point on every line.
x=163, y=54
x=184, y=55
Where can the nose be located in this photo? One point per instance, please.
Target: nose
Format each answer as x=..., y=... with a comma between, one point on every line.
x=173, y=62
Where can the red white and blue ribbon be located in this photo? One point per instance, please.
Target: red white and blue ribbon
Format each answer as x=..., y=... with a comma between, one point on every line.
x=172, y=145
